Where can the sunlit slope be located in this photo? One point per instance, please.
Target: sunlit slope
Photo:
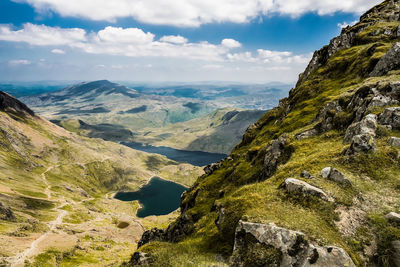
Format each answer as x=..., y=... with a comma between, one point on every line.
x=344, y=114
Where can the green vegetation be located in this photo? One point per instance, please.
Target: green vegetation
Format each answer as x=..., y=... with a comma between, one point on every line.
x=248, y=195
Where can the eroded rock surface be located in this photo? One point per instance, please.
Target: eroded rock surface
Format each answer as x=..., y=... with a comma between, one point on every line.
x=335, y=175
x=140, y=259
x=391, y=117
x=268, y=245
x=278, y=152
x=390, y=61
x=394, y=141
x=294, y=186
x=361, y=135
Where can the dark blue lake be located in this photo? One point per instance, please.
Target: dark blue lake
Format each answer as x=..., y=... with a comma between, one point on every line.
x=197, y=158
x=158, y=197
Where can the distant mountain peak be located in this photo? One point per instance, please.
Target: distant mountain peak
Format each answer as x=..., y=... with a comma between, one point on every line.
x=8, y=102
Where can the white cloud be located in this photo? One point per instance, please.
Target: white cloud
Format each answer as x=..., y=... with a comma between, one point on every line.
x=58, y=51
x=193, y=13
x=19, y=62
x=231, y=43
x=42, y=35
x=175, y=39
x=128, y=35
x=345, y=24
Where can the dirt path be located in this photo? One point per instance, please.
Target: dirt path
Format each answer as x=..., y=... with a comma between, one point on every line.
x=33, y=248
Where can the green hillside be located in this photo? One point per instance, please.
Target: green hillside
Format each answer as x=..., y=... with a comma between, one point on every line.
x=56, y=204
x=344, y=113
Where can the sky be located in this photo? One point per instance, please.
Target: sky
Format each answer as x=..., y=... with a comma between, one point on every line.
x=249, y=41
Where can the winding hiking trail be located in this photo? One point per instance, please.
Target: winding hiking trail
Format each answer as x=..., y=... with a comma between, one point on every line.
x=19, y=260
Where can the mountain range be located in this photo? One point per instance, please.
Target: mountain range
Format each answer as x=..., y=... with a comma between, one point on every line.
x=315, y=181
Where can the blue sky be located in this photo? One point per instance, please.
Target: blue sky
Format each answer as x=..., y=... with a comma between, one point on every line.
x=168, y=40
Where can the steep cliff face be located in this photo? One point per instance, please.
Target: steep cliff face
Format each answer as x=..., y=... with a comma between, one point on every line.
x=318, y=173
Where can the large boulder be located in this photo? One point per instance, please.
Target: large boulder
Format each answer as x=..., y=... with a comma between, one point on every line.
x=361, y=135
x=335, y=175
x=394, y=142
x=268, y=245
x=393, y=217
x=390, y=61
x=391, y=117
x=294, y=186
x=6, y=213
x=278, y=152
x=367, y=126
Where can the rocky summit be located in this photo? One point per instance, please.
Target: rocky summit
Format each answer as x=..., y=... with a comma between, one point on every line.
x=341, y=123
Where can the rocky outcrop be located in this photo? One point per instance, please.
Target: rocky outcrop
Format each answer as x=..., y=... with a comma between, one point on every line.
x=154, y=234
x=394, y=142
x=390, y=61
x=8, y=102
x=6, y=213
x=268, y=245
x=390, y=117
x=361, y=135
x=209, y=169
x=294, y=186
x=393, y=217
x=278, y=152
x=140, y=259
x=335, y=175
x=182, y=227
x=327, y=115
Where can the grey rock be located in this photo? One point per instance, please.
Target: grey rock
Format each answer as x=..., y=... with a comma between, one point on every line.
x=390, y=61
x=295, y=186
x=221, y=217
x=361, y=144
x=327, y=114
x=338, y=177
x=139, y=259
x=154, y=234
x=366, y=126
x=290, y=248
x=396, y=253
x=382, y=101
x=390, y=116
x=325, y=172
x=306, y=134
x=6, y=213
x=305, y=174
x=393, y=216
x=276, y=153
x=361, y=135
x=209, y=169
x=394, y=141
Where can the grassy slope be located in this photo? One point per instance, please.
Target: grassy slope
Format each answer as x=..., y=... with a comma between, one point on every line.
x=79, y=172
x=375, y=176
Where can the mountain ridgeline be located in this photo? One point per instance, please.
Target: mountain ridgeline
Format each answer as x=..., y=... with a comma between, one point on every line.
x=315, y=181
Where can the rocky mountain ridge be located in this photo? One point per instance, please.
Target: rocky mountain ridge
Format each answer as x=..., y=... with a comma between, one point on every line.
x=318, y=173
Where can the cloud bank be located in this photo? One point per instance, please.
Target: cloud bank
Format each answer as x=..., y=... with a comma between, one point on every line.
x=193, y=13
x=134, y=42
